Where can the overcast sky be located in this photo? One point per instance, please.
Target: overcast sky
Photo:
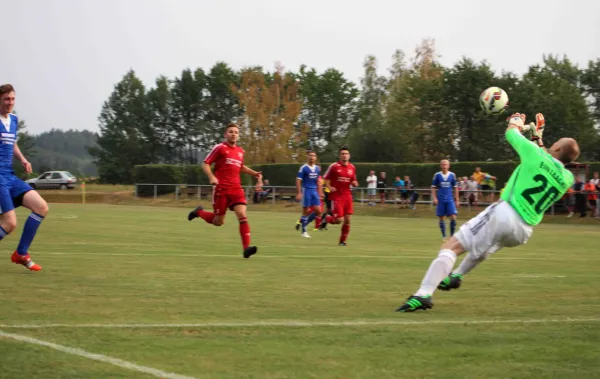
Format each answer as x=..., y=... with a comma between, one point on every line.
x=64, y=56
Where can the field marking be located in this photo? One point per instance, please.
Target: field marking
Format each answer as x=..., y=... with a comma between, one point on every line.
x=427, y=257
x=303, y=323
x=96, y=357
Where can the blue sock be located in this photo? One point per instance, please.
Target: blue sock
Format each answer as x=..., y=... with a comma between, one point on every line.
x=311, y=217
x=31, y=226
x=303, y=221
x=443, y=228
x=452, y=227
x=3, y=233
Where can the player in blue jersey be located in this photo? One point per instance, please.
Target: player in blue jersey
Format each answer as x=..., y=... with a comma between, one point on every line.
x=444, y=193
x=13, y=191
x=309, y=190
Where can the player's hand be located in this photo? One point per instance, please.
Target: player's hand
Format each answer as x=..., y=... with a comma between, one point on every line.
x=298, y=197
x=27, y=166
x=518, y=120
x=435, y=201
x=258, y=175
x=332, y=189
x=537, y=130
x=355, y=183
x=213, y=181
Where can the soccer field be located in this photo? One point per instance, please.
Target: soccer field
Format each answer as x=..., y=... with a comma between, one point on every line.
x=140, y=292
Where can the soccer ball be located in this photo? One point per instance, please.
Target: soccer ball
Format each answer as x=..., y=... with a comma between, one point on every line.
x=493, y=100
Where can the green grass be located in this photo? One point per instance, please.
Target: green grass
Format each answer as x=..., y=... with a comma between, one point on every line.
x=149, y=265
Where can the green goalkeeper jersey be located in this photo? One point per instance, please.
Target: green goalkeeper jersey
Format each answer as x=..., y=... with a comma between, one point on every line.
x=537, y=182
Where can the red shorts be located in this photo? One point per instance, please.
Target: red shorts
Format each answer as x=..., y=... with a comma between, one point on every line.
x=224, y=198
x=342, y=207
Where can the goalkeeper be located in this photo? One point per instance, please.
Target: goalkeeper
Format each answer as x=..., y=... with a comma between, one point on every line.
x=538, y=181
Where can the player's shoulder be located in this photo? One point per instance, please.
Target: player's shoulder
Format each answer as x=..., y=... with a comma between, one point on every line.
x=351, y=166
x=303, y=167
x=437, y=174
x=13, y=117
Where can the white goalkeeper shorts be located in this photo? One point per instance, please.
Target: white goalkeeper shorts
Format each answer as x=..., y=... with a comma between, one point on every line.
x=498, y=226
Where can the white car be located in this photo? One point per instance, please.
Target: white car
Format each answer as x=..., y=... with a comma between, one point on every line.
x=53, y=179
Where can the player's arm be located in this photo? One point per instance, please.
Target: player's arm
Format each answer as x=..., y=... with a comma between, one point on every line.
x=518, y=141
x=298, y=187
x=434, y=190
x=456, y=195
x=354, y=180
x=19, y=155
x=327, y=178
x=320, y=188
x=249, y=171
x=212, y=179
x=329, y=186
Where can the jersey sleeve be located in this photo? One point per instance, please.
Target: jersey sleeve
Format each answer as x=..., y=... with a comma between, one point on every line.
x=300, y=174
x=434, y=181
x=213, y=155
x=353, y=174
x=329, y=173
x=453, y=181
x=522, y=145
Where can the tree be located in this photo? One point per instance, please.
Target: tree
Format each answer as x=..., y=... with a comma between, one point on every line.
x=158, y=133
x=269, y=128
x=221, y=105
x=121, y=143
x=328, y=107
x=591, y=84
x=189, y=96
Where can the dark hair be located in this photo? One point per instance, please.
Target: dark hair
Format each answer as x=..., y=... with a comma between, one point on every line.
x=343, y=148
x=310, y=152
x=6, y=88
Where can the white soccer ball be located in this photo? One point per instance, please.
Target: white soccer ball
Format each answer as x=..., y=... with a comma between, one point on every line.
x=493, y=100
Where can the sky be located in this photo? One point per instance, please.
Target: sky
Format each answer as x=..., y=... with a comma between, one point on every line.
x=65, y=56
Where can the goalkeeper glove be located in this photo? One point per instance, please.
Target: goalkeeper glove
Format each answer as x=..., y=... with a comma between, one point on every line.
x=537, y=129
x=518, y=120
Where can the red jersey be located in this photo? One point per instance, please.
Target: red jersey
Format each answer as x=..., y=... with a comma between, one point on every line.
x=228, y=162
x=341, y=177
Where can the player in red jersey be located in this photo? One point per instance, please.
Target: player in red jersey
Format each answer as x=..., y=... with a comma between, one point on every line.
x=228, y=158
x=338, y=178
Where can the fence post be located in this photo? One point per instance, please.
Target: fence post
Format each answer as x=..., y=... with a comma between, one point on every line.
x=199, y=192
x=274, y=195
x=155, y=191
x=136, y=191
x=362, y=197
x=176, y=192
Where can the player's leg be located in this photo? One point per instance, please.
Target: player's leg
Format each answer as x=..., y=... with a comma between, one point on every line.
x=39, y=210
x=311, y=203
x=217, y=217
x=240, y=212
x=440, y=212
x=345, y=228
x=452, y=213
x=336, y=216
x=320, y=211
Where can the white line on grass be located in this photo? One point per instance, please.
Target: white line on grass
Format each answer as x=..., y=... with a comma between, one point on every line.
x=306, y=323
x=299, y=256
x=97, y=357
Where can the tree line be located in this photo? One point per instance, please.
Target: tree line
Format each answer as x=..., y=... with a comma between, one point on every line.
x=419, y=111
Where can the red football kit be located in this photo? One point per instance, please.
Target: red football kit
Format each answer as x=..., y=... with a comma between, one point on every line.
x=228, y=162
x=340, y=177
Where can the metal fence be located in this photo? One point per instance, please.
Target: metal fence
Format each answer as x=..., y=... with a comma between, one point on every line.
x=362, y=196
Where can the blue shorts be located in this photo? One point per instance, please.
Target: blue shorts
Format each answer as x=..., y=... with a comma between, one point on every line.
x=445, y=208
x=310, y=198
x=12, y=190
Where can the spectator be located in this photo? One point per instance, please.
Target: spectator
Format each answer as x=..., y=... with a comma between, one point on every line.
x=371, y=187
x=472, y=191
x=410, y=192
x=261, y=191
x=462, y=187
x=381, y=186
x=580, y=197
x=487, y=184
x=596, y=182
x=399, y=186
x=590, y=190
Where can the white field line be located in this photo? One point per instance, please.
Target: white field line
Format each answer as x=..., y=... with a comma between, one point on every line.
x=96, y=357
x=306, y=323
x=300, y=256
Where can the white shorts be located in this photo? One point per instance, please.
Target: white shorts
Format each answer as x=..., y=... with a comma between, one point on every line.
x=498, y=226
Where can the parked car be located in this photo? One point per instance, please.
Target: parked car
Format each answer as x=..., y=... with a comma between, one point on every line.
x=53, y=179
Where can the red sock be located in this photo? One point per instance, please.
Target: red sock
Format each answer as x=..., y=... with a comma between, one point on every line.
x=330, y=219
x=245, y=232
x=345, y=232
x=206, y=216
x=318, y=222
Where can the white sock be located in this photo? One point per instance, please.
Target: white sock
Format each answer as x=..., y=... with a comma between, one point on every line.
x=438, y=270
x=469, y=263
